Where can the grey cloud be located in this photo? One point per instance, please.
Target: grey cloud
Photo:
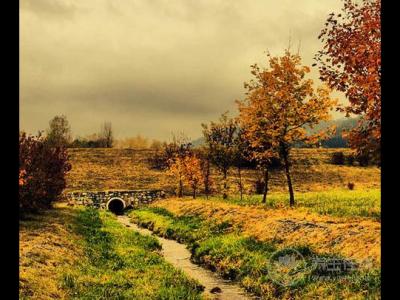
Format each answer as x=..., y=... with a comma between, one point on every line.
x=49, y=8
x=151, y=66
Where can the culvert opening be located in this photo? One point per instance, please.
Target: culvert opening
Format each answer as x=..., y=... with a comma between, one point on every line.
x=116, y=206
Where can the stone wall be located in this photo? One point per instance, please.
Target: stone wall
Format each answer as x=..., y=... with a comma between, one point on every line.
x=99, y=199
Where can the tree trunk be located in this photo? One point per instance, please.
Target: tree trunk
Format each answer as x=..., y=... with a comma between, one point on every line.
x=207, y=179
x=289, y=180
x=266, y=178
x=225, y=195
x=240, y=183
x=194, y=192
x=180, y=191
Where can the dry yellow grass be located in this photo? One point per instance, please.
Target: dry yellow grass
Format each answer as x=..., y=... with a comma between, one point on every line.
x=357, y=238
x=106, y=169
x=47, y=246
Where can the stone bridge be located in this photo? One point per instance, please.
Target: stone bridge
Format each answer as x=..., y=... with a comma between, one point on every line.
x=115, y=201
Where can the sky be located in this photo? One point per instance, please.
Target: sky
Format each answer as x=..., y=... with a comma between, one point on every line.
x=153, y=67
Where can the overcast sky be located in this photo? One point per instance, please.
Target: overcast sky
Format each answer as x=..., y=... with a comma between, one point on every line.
x=152, y=67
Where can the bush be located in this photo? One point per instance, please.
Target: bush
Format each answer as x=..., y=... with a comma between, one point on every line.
x=350, y=159
x=363, y=160
x=42, y=171
x=338, y=158
x=161, y=158
x=158, y=160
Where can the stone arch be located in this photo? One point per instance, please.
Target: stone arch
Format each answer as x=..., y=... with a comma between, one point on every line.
x=116, y=205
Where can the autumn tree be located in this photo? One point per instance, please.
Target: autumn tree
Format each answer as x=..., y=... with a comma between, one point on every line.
x=279, y=104
x=205, y=166
x=180, y=146
x=241, y=154
x=176, y=169
x=220, y=139
x=350, y=62
x=259, y=147
x=173, y=155
x=193, y=175
x=59, y=132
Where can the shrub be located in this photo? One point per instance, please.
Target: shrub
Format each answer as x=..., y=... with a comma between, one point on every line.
x=161, y=158
x=158, y=161
x=350, y=159
x=350, y=185
x=338, y=158
x=42, y=170
x=363, y=160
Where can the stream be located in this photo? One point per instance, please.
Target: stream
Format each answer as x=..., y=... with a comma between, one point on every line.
x=177, y=255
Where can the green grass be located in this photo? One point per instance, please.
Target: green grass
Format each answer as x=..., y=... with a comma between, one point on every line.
x=222, y=248
x=122, y=264
x=341, y=203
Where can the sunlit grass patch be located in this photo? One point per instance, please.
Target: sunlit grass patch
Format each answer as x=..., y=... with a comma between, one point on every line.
x=222, y=247
x=335, y=202
x=47, y=246
x=106, y=169
x=122, y=264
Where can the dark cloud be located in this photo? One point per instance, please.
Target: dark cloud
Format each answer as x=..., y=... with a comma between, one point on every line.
x=152, y=66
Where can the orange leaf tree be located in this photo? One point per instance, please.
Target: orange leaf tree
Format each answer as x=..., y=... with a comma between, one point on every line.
x=350, y=62
x=280, y=103
x=176, y=169
x=220, y=140
x=193, y=174
x=205, y=165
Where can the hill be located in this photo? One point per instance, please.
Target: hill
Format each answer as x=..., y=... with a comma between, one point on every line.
x=336, y=141
x=107, y=169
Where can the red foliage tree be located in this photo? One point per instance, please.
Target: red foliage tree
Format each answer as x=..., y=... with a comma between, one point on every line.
x=42, y=171
x=351, y=63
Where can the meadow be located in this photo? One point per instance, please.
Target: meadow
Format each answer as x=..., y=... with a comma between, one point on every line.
x=108, y=169
x=221, y=245
x=82, y=253
x=334, y=202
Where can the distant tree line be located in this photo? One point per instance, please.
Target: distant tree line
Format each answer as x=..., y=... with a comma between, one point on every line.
x=103, y=139
x=59, y=134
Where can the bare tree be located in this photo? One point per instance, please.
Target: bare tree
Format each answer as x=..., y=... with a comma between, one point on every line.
x=106, y=135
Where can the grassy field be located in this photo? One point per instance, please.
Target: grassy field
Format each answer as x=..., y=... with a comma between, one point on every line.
x=221, y=245
x=47, y=247
x=100, y=169
x=334, y=202
x=352, y=237
x=76, y=253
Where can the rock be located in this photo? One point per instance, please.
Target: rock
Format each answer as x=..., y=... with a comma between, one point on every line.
x=216, y=290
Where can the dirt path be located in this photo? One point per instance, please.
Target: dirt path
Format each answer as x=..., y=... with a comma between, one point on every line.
x=179, y=257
